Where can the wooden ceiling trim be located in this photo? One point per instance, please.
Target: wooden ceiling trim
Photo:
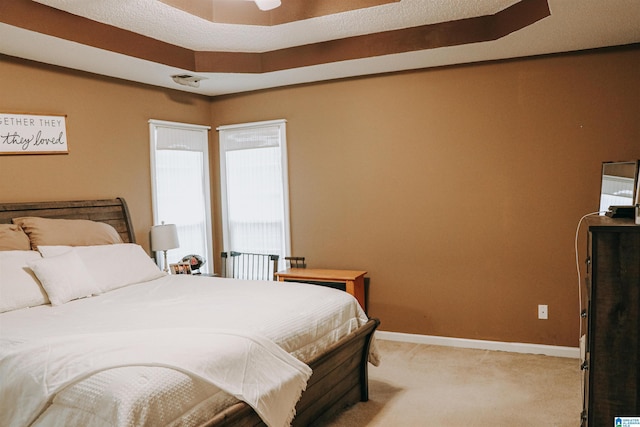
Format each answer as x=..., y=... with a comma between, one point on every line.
x=432, y=36
x=47, y=20
x=43, y=19
x=521, y=15
x=228, y=62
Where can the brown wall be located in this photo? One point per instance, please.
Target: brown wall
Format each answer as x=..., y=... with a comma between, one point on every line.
x=458, y=189
x=107, y=130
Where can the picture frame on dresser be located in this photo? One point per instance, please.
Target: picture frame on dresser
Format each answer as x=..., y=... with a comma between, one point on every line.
x=620, y=185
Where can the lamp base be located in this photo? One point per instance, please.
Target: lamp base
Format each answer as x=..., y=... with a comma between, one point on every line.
x=165, y=264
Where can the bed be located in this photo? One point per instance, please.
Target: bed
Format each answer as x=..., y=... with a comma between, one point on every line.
x=111, y=339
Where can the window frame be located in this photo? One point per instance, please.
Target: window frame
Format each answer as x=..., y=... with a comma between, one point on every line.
x=154, y=125
x=281, y=124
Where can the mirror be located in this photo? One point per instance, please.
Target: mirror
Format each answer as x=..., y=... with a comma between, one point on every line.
x=620, y=186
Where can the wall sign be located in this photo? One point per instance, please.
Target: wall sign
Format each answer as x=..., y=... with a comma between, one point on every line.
x=33, y=134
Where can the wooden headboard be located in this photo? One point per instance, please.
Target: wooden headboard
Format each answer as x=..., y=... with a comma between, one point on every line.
x=111, y=211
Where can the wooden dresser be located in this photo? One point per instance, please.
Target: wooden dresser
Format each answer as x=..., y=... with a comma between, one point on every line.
x=612, y=319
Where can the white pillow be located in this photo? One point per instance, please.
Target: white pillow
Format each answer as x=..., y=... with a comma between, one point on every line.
x=19, y=287
x=64, y=277
x=112, y=266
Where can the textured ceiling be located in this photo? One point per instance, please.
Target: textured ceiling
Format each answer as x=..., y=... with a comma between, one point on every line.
x=572, y=25
x=163, y=22
x=248, y=12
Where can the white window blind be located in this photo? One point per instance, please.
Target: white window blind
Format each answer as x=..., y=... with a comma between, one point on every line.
x=180, y=186
x=254, y=188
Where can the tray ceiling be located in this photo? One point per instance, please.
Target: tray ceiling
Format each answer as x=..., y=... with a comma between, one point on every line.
x=303, y=40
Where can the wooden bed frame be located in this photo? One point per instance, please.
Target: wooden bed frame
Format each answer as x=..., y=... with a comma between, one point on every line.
x=340, y=377
x=113, y=211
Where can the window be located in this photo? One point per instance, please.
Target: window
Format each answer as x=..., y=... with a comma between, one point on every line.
x=254, y=188
x=180, y=186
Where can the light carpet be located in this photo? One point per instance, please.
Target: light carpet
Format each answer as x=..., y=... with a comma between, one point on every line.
x=427, y=385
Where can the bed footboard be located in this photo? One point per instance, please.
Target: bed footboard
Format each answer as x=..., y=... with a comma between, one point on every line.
x=340, y=379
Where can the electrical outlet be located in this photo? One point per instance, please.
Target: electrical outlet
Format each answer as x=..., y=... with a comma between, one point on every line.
x=543, y=311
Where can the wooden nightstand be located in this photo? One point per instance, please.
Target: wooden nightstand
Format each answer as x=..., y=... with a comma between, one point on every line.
x=352, y=279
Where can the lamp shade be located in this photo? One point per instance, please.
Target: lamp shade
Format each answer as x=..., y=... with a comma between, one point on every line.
x=164, y=237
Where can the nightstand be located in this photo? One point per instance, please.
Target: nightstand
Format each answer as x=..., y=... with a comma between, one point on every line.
x=353, y=280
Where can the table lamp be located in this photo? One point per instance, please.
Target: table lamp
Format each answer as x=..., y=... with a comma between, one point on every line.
x=163, y=238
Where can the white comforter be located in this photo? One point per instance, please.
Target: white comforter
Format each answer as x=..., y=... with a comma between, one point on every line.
x=179, y=322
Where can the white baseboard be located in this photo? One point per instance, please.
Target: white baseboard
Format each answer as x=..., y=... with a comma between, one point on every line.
x=514, y=347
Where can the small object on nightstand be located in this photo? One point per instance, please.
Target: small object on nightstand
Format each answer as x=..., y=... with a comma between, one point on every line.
x=180, y=268
x=195, y=261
